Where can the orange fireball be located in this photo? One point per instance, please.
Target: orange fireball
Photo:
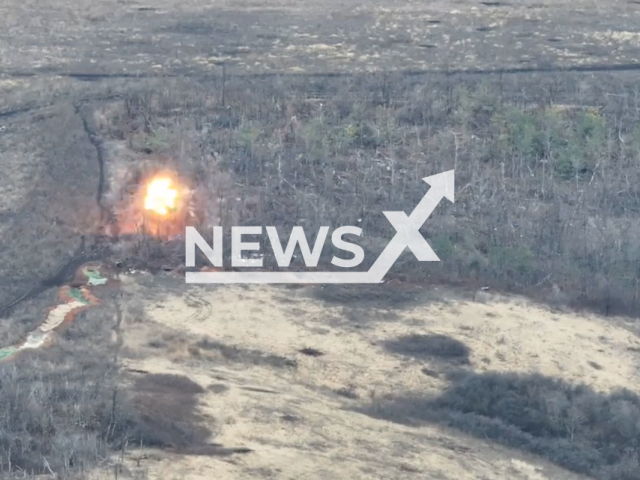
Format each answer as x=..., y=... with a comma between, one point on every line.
x=161, y=196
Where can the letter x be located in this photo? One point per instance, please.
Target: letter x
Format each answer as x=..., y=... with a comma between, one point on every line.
x=408, y=228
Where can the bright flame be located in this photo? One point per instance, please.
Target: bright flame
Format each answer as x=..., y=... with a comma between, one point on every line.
x=161, y=198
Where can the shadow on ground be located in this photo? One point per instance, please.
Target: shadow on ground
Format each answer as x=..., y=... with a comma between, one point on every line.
x=363, y=304
x=167, y=416
x=572, y=426
x=371, y=296
x=166, y=405
x=429, y=347
x=244, y=355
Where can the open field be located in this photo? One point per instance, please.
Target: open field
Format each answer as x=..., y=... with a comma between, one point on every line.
x=285, y=113
x=328, y=382
x=48, y=47
x=357, y=404
x=133, y=38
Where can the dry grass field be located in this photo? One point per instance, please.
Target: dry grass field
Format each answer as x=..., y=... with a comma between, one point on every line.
x=319, y=388
x=292, y=111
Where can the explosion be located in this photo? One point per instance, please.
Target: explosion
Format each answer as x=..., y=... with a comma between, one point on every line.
x=161, y=197
x=159, y=205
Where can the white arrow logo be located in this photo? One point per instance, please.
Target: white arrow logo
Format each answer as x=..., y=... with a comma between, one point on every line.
x=407, y=236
